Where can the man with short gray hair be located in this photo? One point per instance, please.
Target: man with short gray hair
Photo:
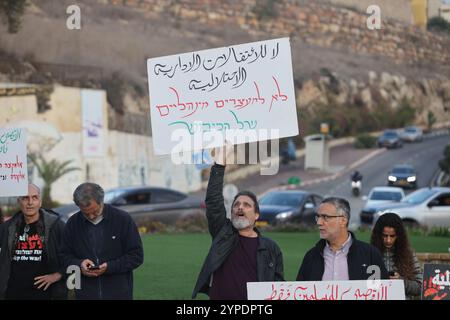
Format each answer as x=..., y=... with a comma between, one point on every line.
x=105, y=243
x=30, y=266
x=338, y=255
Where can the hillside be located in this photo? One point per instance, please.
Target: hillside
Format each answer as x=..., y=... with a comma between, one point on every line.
x=328, y=42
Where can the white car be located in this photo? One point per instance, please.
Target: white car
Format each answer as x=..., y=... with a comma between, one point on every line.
x=412, y=134
x=426, y=207
x=377, y=196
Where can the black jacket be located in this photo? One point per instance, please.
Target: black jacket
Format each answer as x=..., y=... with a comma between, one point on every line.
x=121, y=248
x=225, y=238
x=53, y=227
x=360, y=256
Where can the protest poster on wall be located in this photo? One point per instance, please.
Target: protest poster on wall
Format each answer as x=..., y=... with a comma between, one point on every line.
x=13, y=162
x=327, y=290
x=93, y=124
x=230, y=90
x=436, y=282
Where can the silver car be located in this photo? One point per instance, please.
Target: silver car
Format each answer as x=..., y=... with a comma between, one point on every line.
x=146, y=203
x=412, y=134
x=377, y=196
x=426, y=207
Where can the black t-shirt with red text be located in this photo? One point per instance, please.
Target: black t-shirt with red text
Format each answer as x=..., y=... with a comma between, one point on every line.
x=29, y=260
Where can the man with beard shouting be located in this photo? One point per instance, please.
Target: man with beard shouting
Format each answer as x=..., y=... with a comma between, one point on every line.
x=238, y=253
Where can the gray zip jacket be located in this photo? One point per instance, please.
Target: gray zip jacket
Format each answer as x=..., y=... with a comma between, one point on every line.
x=412, y=287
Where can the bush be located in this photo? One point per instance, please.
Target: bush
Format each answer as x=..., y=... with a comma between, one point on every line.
x=404, y=114
x=13, y=11
x=444, y=163
x=439, y=232
x=265, y=9
x=115, y=87
x=438, y=24
x=151, y=226
x=365, y=141
x=192, y=224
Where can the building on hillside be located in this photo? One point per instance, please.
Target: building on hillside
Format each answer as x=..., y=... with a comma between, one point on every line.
x=444, y=12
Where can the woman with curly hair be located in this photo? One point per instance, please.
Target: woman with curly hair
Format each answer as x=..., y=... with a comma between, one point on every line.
x=389, y=236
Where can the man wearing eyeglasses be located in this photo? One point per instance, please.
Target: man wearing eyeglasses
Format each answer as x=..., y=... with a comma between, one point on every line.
x=339, y=255
x=30, y=268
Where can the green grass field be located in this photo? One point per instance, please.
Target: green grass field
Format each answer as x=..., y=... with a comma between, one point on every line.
x=172, y=261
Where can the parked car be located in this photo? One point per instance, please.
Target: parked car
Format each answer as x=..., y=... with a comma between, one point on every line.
x=412, y=134
x=389, y=139
x=403, y=176
x=293, y=206
x=377, y=196
x=147, y=203
x=426, y=207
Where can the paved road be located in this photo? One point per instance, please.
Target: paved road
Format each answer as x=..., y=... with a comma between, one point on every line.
x=423, y=156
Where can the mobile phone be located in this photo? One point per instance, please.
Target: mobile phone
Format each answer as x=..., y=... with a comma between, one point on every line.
x=93, y=267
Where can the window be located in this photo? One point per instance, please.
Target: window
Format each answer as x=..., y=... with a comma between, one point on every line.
x=317, y=200
x=165, y=196
x=444, y=200
x=309, y=203
x=138, y=198
x=282, y=199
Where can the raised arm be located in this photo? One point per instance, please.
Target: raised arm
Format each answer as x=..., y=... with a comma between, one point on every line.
x=215, y=208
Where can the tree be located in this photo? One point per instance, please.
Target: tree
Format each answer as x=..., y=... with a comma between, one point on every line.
x=444, y=164
x=265, y=9
x=13, y=10
x=50, y=171
x=438, y=24
x=431, y=120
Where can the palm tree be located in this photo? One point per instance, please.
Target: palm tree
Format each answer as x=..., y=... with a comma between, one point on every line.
x=50, y=171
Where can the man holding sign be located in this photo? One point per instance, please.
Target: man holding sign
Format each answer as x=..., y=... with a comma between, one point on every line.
x=238, y=254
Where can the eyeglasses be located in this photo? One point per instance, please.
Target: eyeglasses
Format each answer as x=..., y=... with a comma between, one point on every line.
x=325, y=217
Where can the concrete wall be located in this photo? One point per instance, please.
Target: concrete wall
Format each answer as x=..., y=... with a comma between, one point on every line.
x=320, y=24
x=399, y=10
x=433, y=8
x=438, y=258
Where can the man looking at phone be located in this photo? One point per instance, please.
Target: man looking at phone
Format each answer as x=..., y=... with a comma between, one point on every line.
x=105, y=243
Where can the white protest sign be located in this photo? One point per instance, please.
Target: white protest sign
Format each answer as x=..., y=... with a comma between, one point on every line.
x=327, y=290
x=230, y=90
x=13, y=162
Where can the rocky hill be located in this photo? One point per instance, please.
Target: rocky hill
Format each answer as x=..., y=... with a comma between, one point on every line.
x=338, y=63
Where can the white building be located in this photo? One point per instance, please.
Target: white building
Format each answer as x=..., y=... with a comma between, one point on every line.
x=76, y=128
